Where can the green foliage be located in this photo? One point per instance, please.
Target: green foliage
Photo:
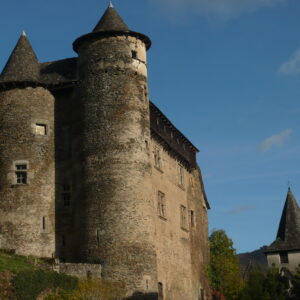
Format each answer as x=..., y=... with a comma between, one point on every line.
x=224, y=270
x=14, y=263
x=29, y=284
x=295, y=291
x=270, y=286
x=91, y=289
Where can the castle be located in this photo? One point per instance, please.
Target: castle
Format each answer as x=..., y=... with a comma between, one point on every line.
x=93, y=174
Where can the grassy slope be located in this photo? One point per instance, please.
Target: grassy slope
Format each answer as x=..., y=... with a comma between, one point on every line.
x=15, y=263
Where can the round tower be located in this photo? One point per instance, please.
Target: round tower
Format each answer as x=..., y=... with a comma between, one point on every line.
x=118, y=229
x=26, y=156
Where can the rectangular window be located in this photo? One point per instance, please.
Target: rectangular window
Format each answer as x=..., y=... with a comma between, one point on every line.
x=202, y=294
x=183, y=217
x=157, y=158
x=44, y=223
x=134, y=54
x=284, y=257
x=180, y=175
x=41, y=129
x=21, y=173
x=66, y=195
x=161, y=205
x=192, y=218
x=160, y=291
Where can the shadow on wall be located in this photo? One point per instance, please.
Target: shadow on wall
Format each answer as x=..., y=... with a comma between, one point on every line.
x=142, y=296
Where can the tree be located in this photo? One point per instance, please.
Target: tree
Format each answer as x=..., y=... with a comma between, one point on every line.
x=270, y=286
x=224, y=270
x=295, y=291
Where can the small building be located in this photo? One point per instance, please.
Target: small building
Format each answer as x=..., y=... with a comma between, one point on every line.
x=284, y=252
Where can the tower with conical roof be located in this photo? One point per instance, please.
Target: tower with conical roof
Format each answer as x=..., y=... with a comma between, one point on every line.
x=27, y=160
x=118, y=209
x=284, y=252
x=93, y=174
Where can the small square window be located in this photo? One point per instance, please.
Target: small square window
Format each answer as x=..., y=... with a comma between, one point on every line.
x=284, y=257
x=134, y=54
x=41, y=129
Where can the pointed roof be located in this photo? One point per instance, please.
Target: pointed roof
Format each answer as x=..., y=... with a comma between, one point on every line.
x=22, y=64
x=288, y=235
x=111, y=21
x=111, y=24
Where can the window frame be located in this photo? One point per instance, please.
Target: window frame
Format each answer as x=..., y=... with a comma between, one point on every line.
x=21, y=173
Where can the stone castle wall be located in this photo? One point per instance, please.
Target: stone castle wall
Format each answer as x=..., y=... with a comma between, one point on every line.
x=116, y=205
x=27, y=222
x=181, y=246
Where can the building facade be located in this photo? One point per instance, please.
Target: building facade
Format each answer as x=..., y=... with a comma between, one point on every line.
x=92, y=172
x=284, y=252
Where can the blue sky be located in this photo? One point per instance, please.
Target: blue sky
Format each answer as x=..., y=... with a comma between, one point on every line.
x=226, y=72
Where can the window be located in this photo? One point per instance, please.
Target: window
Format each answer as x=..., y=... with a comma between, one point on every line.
x=44, y=223
x=66, y=195
x=181, y=175
x=192, y=218
x=161, y=205
x=183, y=217
x=41, y=129
x=284, y=257
x=21, y=173
x=160, y=291
x=157, y=158
x=202, y=294
x=134, y=54
x=63, y=240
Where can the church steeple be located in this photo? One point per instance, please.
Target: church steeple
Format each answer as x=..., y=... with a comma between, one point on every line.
x=288, y=235
x=22, y=65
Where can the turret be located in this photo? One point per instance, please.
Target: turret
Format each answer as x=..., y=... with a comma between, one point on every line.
x=26, y=156
x=116, y=201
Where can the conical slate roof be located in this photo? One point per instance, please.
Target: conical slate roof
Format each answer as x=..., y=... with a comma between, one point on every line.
x=288, y=235
x=111, y=21
x=22, y=64
x=111, y=24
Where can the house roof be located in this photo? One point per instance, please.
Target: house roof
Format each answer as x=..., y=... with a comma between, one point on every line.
x=22, y=65
x=288, y=235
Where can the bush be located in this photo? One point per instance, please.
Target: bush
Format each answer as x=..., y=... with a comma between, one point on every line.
x=29, y=284
x=91, y=289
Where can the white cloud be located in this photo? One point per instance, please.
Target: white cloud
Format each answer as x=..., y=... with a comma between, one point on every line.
x=292, y=66
x=241, y=209
x=276, y=140
x=220, y=8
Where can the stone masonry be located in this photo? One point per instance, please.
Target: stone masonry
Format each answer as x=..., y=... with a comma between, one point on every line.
x=94, y=175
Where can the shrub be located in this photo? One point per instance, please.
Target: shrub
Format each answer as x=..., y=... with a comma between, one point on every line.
x=29, y=284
